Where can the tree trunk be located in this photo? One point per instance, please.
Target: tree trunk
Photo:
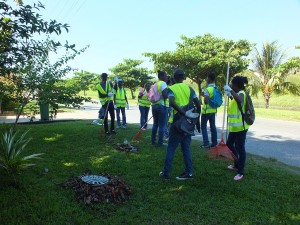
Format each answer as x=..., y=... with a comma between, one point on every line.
x=132, y=94
x=1, y=106
x=19, y=114
x=267, y=97
x=84, y=94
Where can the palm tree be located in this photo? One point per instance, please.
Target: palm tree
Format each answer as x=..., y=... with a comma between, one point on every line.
x=270, y=57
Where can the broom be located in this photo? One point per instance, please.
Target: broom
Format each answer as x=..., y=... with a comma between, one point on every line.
x=222, y=150
x=139, y=133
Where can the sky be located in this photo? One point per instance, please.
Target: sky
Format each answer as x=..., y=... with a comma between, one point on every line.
x=118, y=29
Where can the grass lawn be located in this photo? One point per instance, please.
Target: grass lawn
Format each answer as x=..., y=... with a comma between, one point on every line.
x=269, y=193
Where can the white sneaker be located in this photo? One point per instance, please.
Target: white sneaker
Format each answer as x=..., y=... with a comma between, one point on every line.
x=238, y=177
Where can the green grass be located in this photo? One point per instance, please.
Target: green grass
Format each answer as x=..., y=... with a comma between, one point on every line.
x=269, y=193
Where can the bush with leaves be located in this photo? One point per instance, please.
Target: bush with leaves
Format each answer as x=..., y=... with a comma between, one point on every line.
x=12, y=147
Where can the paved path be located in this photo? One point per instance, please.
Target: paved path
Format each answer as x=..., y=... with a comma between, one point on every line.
x=277, y=139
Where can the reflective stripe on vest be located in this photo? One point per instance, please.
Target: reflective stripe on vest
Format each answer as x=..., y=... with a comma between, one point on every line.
x=144, y=101
x=120, y=98
x=206, y=108
x=108, y=89
x=235, y=121
x=181, y=93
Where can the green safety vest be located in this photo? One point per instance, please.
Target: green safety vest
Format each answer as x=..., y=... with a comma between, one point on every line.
x=206, y=108
x=108, y=89
x=181, y=93
x=120, y=98
x=235, y=121
x=144, y=101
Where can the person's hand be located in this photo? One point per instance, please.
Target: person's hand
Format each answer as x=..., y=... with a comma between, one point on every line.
x=110, y=95
x=227, y=88
x=115, y=107
x=145, y=92
x=127, y=106
x=228, y=94
x=190, y=114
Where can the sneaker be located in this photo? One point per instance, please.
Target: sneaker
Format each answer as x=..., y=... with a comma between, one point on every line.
x=231, y=167
x=143, y=129
x=113, y=132
x=205, y=146
x=118, y=126
x=124, y=127
x=184, y=176
x=107, y=133
x=163, y=175
x=238, y=177
x=162, y=145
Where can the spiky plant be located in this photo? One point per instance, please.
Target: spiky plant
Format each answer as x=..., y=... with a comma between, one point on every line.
x=12, y=146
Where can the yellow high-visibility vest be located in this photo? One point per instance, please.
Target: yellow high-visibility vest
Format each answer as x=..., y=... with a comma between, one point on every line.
x=235, y=121
x=206, y=108
x=120, y=97
x=144, y=101
x=181, y=93
x=108, y=90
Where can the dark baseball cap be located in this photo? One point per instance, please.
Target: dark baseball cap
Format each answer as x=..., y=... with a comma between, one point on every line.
x=178, y=73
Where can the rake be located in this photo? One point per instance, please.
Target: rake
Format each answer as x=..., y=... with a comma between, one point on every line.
x=139, y=133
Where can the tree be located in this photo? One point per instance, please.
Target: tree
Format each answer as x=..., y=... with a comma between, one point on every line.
x=18, y=28
x=265, y=63
x=7, y=87
x=200, y=55
x=132, y=75
x=39, y=78
x=83, y=80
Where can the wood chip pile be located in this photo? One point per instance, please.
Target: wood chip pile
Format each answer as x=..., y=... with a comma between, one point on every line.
x=115, y=191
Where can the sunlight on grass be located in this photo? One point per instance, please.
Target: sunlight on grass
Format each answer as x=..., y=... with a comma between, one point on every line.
x=69, y=164
x=294, y=216
x=178, y=189
x=98, y=161
x=56, y=137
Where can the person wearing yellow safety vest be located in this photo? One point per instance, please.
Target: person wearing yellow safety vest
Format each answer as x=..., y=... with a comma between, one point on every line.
x=144, y=105
x=106, y=93
x=179, y=96
x=121, y=102
x=237, y=126
x=209, y=114
x=169, y=120
x=159, y=110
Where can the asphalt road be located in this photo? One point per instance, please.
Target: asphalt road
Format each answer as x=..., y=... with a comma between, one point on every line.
x=277, y=139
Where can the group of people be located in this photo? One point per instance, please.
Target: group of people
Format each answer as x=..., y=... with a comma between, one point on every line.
x=174, y=96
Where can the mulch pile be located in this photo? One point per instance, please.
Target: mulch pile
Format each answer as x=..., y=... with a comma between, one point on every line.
x=126, y=147
x=115, y=191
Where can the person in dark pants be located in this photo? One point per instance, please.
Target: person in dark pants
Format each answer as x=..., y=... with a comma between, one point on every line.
x=159, y=110
x=144, y=105
x=179, y=97
x=237, y=127
x=209, y=114
x=106, y=93
x=121, y=103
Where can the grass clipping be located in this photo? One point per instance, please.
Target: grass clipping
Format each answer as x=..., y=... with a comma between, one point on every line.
x=115, y=191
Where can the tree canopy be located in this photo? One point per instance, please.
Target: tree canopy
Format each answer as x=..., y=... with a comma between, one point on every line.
x=199, y=55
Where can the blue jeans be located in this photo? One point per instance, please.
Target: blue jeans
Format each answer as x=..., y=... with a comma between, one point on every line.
x=159, y=113
x=174, y=140
x=122, y=109
x=236, y=143
x=211, y=117
x=144, y=115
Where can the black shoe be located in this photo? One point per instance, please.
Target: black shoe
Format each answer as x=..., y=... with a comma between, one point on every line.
x=163, y=176
x=184, y=176
x=113, y=132
x=107, y=133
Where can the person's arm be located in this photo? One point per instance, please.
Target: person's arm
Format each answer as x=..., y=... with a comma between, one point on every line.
x=126, y=99
x=197, y=104
x=114, y=99
x=175, y=106
x=165, y=93
x=206, y=96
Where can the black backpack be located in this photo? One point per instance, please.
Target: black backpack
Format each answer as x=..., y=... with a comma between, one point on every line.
x=249, y=114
